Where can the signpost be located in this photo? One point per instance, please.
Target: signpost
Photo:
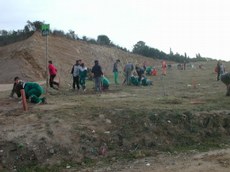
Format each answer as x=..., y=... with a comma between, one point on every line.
x=45, y=32
x=45, y=29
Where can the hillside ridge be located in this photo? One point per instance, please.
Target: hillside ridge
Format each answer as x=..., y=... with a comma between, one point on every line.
x=27, y=59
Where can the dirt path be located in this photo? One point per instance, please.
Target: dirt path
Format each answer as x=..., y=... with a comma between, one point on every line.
x=212, y=161
x=5, y=87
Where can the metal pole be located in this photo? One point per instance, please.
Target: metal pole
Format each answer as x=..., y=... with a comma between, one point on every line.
x=47, y=64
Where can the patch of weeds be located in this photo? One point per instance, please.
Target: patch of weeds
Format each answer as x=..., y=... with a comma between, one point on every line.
x=39, y=115
x=201, y=147
x=88, y=161
x=36, y=168
x=126, y=156
x=185, y=139
x=168, y=148
x=226, y=123
x=50, y=132
x=154, y=117
x=112, y=146
x=132, y=155
x=172, y=101
x=215, y=134
x=69, y=163
x=177, y=118
x=193, y=128
x=56, y=121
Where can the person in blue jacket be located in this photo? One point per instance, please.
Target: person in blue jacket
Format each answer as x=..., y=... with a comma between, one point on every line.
x=97, y=74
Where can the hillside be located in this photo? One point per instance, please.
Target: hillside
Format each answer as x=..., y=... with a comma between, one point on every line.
x=27, y=58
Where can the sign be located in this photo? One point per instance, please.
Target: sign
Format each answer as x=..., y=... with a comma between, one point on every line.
x=45, y=29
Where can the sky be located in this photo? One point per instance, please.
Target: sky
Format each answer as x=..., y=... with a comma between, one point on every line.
x=185, y=26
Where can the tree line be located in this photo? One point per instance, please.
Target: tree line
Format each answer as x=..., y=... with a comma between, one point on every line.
x=142, y=49
x=9, y=37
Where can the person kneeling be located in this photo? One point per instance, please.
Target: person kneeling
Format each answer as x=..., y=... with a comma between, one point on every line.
x=33, y=91
x=146, y=82
x=104, y=83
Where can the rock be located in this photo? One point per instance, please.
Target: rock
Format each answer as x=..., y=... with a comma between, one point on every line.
x=148, y=164
x=108, y=121
x=51, y=151
x=101, y=116
x=114, y=159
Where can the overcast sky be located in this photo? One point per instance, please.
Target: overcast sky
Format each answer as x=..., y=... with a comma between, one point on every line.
x=191, y=26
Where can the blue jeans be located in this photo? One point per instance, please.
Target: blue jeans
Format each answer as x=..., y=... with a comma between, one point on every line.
x=97, y=81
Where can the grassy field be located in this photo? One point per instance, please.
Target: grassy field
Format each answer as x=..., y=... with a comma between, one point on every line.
x=184, y=110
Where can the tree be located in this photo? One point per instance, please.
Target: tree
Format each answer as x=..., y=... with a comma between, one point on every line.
x=58, y=33
x=138, y=46
x=171, y=52
x=71, y=35
x=38, y=25
x=84, y=38
x=93, y=41
x=3, y=33
x=103, y=40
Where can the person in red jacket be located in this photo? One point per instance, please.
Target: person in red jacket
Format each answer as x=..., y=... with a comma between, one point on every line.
x=52, y=73
x=164, y=66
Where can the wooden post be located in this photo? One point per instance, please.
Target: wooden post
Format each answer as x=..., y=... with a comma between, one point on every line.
x=194, y=83
x=24, y=103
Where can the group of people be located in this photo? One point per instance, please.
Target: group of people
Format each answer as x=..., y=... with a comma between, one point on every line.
x=79, y=73
x=134, y=75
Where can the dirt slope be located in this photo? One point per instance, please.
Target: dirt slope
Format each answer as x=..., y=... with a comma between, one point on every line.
x=27, y=59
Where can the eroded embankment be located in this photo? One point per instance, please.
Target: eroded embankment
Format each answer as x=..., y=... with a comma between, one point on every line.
x=61, y=137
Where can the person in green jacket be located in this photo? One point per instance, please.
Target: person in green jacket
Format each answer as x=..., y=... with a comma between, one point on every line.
x=33, y=91
x=134, y=80
x=104, y=83
x=146, y=82
x=115, y=72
